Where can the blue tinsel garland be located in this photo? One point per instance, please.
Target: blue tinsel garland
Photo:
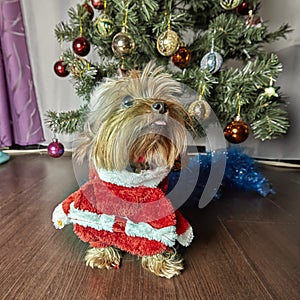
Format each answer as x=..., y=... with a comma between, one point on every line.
x=241, y=172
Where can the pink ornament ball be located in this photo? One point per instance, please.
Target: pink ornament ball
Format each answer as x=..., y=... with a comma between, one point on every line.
x=56, y=149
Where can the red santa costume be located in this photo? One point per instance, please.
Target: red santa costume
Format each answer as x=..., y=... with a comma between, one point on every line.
x=127, y=210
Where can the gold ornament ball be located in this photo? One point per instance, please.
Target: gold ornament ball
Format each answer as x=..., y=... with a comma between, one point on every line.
x=200, y=109
x=167, y=43
x=236, y=131
x=230, y=4
x=123, y=44
x=182, y=57
x=104, y=25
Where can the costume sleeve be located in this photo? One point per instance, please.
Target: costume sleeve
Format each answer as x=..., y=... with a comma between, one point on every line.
x=84, y=197
x=60, y=214
x=59, y=217
x=184, y=230
x=75, y=197
x=164, y=185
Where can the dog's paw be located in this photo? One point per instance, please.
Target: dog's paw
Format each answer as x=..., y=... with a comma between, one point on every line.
x=103, y=258
x=167, y=264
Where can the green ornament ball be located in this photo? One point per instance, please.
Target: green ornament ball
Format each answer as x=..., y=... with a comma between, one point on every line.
x=230, y=4
x=104, y=25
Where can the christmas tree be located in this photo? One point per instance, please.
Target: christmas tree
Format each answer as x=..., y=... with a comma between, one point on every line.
x=213, y=46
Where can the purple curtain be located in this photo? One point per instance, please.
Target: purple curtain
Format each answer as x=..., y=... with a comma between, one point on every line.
x=20, y=121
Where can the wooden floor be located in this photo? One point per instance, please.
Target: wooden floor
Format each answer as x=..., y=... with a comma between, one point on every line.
x=245, y=246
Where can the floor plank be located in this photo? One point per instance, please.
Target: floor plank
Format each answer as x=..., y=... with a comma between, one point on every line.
x=273, y=252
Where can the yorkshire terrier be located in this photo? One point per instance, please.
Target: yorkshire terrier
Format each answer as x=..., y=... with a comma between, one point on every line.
x=133, y=135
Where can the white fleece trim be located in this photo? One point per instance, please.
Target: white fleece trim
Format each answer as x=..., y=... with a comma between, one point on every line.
x=186, y=238
x=89, y=219
x=148, y=178
x=166, y=235
x=59, y=218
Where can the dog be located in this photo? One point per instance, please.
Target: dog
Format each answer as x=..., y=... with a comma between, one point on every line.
x=133, y=135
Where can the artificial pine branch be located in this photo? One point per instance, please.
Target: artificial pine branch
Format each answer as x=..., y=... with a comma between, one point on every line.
x=281, y=32
x=66, y=122
x=272, y=123
x=84, y=75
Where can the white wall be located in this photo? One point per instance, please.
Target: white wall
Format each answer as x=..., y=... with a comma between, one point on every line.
x=54, y=93
x=275, y=13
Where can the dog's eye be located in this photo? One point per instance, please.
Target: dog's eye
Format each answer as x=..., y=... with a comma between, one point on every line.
x=127, y=101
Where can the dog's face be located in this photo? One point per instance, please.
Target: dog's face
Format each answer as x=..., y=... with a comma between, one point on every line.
x=138, y=122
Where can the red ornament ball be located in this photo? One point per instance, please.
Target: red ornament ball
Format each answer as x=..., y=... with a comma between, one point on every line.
x=236, y=131
x=55, y=149
x=60, y=69
x=182, y=57
x=89, y=9
x=98, y=4
x=81, y=46
x=244, y=8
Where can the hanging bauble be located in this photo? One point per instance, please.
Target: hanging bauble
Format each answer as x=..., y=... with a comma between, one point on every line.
x=55, y=148
x=123, y=44
x=200, y=109
x=81, y=46
x=168, y=43
x=60, y=68
x=245, y=7
x=253, y=20
x=211, y=61
x=182, y=57
x=104, y=25
x=89, y=10
x=230, y=4
x=236, y=131
x=98, y=4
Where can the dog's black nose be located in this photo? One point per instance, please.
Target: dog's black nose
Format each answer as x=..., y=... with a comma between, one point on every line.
x=160, y=107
